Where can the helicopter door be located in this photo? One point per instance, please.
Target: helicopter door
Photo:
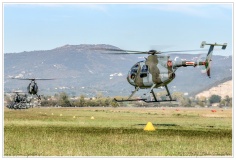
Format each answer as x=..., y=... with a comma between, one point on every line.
x=144, y=71
x=144, y=74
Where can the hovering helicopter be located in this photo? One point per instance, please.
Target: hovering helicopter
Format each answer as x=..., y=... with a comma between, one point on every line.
x=158, y=70
x=20, y=101
x=32, y=88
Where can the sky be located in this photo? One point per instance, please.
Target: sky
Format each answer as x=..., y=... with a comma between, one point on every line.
x=130, y=26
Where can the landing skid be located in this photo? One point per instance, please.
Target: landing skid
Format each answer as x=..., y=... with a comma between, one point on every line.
x=161, y=101
x=144, y=100
x=127, y=100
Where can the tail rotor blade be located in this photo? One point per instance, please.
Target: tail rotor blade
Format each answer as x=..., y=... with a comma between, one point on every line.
x=208, y=64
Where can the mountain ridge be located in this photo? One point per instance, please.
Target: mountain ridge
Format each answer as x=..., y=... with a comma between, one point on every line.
x=81, y=69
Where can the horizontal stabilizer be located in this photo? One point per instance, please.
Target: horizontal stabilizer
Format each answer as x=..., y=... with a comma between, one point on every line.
x=213, y=44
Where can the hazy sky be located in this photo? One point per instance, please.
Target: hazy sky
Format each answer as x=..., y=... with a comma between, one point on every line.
x=144, y=26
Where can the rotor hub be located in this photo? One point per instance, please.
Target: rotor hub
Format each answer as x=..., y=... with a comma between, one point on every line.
x=152, y=52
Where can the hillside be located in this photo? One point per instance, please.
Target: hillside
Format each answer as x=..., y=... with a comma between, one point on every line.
x=79, y=69
x=222, y=89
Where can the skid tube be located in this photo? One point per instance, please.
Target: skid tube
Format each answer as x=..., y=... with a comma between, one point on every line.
x=144, y=100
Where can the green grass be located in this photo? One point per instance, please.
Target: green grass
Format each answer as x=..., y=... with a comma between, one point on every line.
x=117, y=132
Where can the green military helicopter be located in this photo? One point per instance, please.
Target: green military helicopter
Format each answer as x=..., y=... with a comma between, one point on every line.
x=20, y=101
x=32, y=88
x=158, y=70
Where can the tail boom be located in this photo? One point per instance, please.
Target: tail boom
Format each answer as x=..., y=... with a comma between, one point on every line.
x=206, y=63
x=189, y=63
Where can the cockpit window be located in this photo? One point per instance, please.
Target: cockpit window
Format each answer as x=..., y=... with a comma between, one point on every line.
x=144, y=71
x=144, y=68
x=134, y=70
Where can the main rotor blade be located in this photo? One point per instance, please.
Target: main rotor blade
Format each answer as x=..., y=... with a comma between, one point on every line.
x=16, y=92
x=32, y=79
x=197, y=50
x=44, y=79
x=151, y=51
x=125, y=53
x=120, y=51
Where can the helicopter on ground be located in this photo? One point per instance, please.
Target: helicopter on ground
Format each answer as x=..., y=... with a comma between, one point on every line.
x=32, y=88
x=20, y=101
x=158, y=70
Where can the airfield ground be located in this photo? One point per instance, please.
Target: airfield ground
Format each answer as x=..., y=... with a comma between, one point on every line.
x=106, y=131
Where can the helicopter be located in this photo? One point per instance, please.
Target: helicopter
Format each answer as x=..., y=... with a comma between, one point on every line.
x=158, y=70
x=32, y=88
x=20, y=101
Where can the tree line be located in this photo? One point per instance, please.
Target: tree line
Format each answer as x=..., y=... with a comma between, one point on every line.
x=64, y=100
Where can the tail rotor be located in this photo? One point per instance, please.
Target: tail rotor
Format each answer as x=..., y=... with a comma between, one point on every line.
x=207, y=62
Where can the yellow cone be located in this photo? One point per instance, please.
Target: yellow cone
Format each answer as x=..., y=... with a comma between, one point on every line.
x=73, y=116
x=149, y=127
x=92, y=117
x=60, y=114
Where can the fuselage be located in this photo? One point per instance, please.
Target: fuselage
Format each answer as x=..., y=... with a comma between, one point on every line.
x=154, y=70
x=32, y=88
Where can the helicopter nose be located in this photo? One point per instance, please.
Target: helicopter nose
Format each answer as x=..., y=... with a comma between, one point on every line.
x=130, y=78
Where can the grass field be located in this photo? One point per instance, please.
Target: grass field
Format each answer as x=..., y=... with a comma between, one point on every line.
x=118, y=131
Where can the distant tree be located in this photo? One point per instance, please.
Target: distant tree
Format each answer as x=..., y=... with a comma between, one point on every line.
x=230, y=102
x=56, y=96
x=82, y=101
x=177, y=95
x=201, y=101
x=48, y=102
x=222, y=103
x=99, y=102
x=114, y=103
x=185, y=102
x=226, y=101
x=107, y=102
x=215, y=99
x=64, y=100
x=202, y=98
x=91, y=103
